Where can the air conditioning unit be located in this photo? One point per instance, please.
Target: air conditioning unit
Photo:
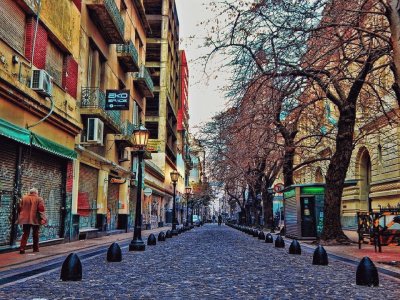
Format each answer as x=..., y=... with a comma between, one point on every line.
x=94, y=131
x=41, y=82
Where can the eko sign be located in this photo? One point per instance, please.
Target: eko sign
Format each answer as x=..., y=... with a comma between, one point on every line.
x=117, y=100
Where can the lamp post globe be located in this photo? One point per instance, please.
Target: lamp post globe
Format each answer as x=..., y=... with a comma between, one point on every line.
x=174, y=178
x=141, y=137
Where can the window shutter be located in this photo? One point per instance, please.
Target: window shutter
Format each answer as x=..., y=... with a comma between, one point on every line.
x=55, y=63
x=78, y=4
x=39, y=61
x=70, y=76
x=12, y=28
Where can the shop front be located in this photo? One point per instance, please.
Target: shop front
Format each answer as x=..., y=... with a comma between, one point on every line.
x=28, y=160
x=112, y=205
x=87, y=197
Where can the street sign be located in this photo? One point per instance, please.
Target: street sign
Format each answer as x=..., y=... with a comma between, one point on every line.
x=279, y=187
x=117, y=100
x=147, y=192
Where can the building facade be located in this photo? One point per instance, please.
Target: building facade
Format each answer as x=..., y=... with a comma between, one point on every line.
x=39, y=117
x=162, y=58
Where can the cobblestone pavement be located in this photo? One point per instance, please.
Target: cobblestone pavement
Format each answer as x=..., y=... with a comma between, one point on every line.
x=210, y=262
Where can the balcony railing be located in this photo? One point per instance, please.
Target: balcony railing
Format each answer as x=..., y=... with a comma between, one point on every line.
x=108, y=19
x=93, y=102
x=128, y=57
x=144, y=81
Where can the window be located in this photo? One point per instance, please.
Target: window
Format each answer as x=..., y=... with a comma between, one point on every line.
x=153, y=128
x=96, y=68
x=136, y=114
x=54, y=62
x=13, y=23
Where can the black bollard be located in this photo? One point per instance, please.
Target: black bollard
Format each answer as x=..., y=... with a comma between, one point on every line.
x=71, y=269
x=261, y=235
x=168, y=235
x=294, y=247
x=320, y=256
x=269, y=238
x=255, y=233
x=161, y=236
x=279, y=242
x=367, y=273
x=114, y=253
x=151, y=240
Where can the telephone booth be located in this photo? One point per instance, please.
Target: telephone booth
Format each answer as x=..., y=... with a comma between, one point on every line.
x=303, y=210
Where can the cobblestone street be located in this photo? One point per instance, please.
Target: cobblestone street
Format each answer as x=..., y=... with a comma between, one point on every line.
x=210, y=262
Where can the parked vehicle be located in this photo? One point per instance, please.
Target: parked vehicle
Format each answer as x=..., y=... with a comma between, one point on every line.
x=196, y=220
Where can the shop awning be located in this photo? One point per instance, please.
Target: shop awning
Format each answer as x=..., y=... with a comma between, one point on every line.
x=52, y=147
x=14, y=132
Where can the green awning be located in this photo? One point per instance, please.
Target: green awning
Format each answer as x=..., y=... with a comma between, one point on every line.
x=14, y=132
x=52, y=147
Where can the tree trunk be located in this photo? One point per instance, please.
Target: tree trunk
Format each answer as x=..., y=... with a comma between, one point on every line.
x=288, y=162
x=393, y=17
x=336, y=176
x=268, y=208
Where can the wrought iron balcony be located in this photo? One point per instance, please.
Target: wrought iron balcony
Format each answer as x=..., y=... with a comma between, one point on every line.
x=107, y=17
x=93, y=103
x=125, y=139
x=128, y=57
x=143, y=80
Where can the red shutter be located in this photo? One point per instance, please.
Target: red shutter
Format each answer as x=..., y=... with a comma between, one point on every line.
x=70, y=177
x=78, y=4
x=40, y=46
x=70, y=76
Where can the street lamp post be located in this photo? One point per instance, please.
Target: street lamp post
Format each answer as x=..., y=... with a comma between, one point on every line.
x=174, y=178
x=188, y=190
x=141, y=136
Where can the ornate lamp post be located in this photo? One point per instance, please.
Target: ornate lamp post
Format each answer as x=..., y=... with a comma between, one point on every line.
x=188, y=190
x=141, y=136
x=174, y=178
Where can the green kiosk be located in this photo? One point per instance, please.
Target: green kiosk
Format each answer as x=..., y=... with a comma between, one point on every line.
x=303, y=210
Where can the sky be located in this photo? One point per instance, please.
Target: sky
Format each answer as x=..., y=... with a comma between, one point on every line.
x=205, y=96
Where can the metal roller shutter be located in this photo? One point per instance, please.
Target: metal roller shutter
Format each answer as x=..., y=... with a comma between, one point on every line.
x=112, y=205
x=87, y=196
x=291, y=221
x=8, y=157
x=45, y=172
x=12, y=20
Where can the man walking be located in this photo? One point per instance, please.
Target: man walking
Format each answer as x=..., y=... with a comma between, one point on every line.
x=31, y=215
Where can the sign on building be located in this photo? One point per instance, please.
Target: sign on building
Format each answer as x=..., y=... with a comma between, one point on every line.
x=117, y=100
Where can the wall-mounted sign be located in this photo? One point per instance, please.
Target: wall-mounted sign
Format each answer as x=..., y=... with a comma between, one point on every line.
x=154, y=146
x=279, y=187
x=118, y=180
x=147, y=192
x=117, y=100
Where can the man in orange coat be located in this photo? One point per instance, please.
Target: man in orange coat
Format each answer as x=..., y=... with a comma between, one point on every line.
x=30, y=209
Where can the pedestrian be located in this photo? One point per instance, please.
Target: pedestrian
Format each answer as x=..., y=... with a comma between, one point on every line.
x=219, y=220
x=31, y=215
x=213, y=218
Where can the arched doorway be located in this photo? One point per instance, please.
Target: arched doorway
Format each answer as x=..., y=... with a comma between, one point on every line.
x=365, y=180
x=319, y=177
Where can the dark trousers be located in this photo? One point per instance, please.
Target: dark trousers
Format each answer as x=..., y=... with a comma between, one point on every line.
x=35, y=234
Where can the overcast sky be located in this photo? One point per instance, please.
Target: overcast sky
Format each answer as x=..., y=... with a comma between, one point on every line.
x=205, y=97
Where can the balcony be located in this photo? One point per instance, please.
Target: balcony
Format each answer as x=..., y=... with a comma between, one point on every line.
x=144, y=82
x=125, y=139
x=107, y=17
x=93, y=103
x=128, y=57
